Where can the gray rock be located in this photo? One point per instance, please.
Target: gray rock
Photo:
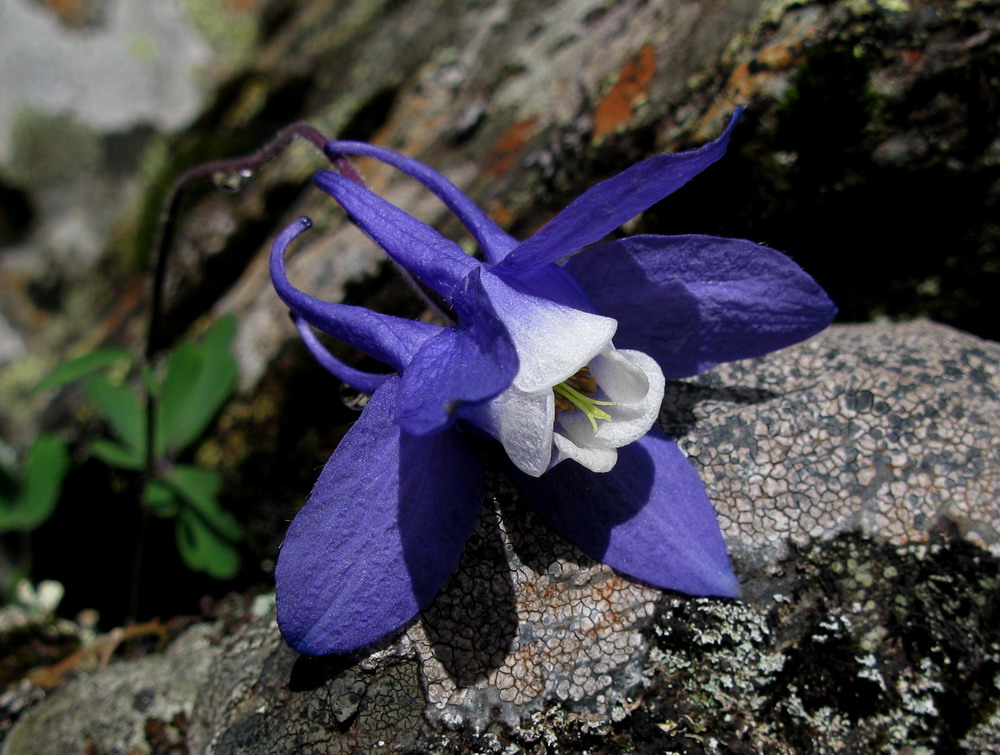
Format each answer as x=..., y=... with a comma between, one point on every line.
x=138, y=66
x=11, y=344
x=867, y=622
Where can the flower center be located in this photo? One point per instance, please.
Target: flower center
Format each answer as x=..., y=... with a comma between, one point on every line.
x=575, y=393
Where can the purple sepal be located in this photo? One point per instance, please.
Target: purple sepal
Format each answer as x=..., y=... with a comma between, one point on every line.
x=649, y=517
x=604, y=207
x=365, y=382
x=554, y=283
x=428, y=256
x=469, y=363
x=692, y=302
x=493, y=240
x=380, y=534
x=390, y=340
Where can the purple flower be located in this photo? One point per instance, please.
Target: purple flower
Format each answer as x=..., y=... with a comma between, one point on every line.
x=562, y=364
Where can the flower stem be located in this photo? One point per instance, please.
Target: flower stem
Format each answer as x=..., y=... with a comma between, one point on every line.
x=228, y=175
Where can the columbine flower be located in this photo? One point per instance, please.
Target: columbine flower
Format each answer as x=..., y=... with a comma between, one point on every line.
x=563, y=364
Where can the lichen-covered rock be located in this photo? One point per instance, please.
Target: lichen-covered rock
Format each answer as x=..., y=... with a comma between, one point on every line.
x=886, y=431
x=125, y=708
x=891, y=430
x=870, y=647
x=53, y=57
x=869, y=621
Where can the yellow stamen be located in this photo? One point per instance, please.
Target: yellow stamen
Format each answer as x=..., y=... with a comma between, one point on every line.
x=577, y=400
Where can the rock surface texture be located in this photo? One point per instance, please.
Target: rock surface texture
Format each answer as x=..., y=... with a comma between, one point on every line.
x=872, y=592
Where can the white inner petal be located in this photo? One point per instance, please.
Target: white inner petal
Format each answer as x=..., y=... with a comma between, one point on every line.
x=634, y=382
x=536, y=437
x=523, y=423
x=594, y=458
x=552, y=341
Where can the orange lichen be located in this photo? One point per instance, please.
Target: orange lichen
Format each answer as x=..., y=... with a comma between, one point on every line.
x=69, y=11
x=763, y=69
x=616, y=108
x=508, y=146
x=500, y=214
x=97, y=653
x=752, y=76
x=780, y=55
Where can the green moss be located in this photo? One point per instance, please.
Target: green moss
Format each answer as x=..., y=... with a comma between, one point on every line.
x=864, y=7
x=231, y=30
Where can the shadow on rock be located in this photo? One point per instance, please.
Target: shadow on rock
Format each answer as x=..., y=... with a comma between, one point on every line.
x=472, y=623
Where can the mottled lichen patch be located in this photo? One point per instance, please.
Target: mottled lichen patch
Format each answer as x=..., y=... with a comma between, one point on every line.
x=837, y=662
x=895, y=435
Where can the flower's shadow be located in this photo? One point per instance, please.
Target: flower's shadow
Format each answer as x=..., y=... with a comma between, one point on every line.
x=535, y=545
x=519, y=551
x=312, y=672
x=472, y=623
x=567, y=500
x=678, y=416
x=513, y=557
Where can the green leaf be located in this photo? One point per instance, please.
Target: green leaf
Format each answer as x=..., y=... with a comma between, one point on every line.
x=202, y=550
x=81, y=367
x=44, y=471
x=149, y=380
x=161, y=499
x=10, y=518
x=180, y=384
x=122, y=410
x=219, y=373
x=47, y=465
x=116, y=455
x=8, y=474
x=200, y=377
x=206, y=534
x=199, y=487
x=219, y=338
